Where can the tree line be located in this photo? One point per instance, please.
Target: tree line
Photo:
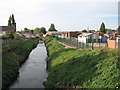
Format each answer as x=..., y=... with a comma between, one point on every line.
x=101, y=29
x=39, y=31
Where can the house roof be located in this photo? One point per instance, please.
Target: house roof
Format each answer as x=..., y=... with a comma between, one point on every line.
x=7, y=28
x=85, y=34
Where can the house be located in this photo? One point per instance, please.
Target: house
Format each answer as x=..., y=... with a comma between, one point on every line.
x=19, y=33
x=7, y=29
x=52, y=33
x=111, y=32
x=36, y=35
x=27, y=35
x=100, y=34
x=62, y=34
x=72, y=34
x=69, y=34
x=87, y=38
x=84, y=37
x=115, y=34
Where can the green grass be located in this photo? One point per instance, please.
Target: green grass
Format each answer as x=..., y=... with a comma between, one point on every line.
x=13, y=55
x=70, y=68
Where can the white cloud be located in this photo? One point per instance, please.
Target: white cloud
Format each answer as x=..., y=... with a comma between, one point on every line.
x=66, y=14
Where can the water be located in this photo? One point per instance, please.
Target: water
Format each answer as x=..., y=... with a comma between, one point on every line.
x=33, y=72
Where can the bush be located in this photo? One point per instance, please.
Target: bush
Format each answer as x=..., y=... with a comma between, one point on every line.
x=13, y=55
x=16, y=36
x=5, y=36
x=11, y=36
x=70, y=68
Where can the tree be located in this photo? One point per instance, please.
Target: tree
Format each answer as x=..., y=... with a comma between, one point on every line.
x=102, y=28
x=52, y=28
x=16, y=36
x=90, y=31
x=9, y=21
x=13, y=21
x=26, y=30
x=43, y=30
x=36, y=30
x=84, y=30
x=31, y=31
x=118, y=30
x=40, y=31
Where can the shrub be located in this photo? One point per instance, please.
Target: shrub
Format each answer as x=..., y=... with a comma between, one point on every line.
x=70, y=68
x=13, y=55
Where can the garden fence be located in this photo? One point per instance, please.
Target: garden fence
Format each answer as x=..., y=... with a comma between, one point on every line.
x=74, y=42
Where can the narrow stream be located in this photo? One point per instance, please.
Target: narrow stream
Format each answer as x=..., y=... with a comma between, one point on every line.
x=33, y=72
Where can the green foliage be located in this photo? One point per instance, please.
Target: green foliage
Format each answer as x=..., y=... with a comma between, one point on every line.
x=11, y=21
x=43, y=30
x=16, y=36
x=52, y=28
x=70, y=68
x=11, y=36
x=36, y=30
x=26, y=30
x=40, y=31
x=31, y=31
x=102, y=28
x=84, y=30
x=5, y=36
x=118, y=30
x=90, y=31
x=13, y=55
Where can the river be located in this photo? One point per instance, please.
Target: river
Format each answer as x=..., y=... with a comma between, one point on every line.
x=33, y=72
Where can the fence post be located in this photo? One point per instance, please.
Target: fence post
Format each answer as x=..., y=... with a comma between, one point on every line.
x=77, y=43
x=92, y=42
x=70, y=40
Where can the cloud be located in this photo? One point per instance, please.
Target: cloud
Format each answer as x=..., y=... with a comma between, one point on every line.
x=65, y=14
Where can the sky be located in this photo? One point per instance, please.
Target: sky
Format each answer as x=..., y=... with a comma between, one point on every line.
x=66, y=15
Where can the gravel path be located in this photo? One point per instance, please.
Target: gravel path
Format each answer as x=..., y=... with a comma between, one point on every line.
x=67, y=45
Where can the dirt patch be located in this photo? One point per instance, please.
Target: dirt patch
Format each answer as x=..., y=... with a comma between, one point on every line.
x=67, y=45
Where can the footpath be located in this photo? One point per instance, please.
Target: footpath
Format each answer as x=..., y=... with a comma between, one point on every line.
x=67, y=45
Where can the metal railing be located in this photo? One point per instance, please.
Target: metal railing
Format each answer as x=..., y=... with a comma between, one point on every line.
x=74, y=42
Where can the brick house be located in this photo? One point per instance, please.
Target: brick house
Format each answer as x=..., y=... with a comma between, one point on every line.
x=7, y=29
x=100, y=34
x=52, y=33
x=69, y=34
x=72, y=34
x=63, y=34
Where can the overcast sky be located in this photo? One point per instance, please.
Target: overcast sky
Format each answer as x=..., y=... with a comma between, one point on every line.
x=65, y=14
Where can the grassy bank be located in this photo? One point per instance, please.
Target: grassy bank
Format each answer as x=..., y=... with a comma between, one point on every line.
x=13, y=55
x=81, y=68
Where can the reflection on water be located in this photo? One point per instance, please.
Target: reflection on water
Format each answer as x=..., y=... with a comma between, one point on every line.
x=33, y=72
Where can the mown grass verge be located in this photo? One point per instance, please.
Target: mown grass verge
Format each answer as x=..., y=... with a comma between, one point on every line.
x=70, y=68
x=13, y=55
